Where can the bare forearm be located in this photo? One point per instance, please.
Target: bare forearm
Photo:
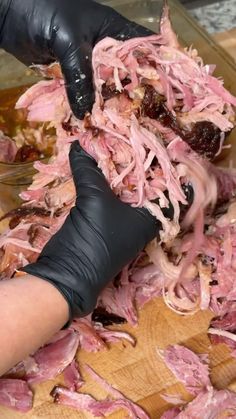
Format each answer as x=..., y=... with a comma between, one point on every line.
x=31, y=311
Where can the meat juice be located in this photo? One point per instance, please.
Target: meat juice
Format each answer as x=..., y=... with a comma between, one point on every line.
x=17, y=175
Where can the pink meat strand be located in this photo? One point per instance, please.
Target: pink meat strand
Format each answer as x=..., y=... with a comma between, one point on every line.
x=98, y=408
x=72, y=377
x=87, y=403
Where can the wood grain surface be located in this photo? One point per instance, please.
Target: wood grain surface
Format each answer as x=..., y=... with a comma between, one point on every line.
x=227, y=40
x=139, y=372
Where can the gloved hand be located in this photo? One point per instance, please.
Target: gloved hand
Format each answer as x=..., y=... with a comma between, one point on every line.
x=42, y=31
x=99, y=237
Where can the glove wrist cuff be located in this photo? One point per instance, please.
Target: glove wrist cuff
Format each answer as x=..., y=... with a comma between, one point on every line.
x=4, y=7
x=75, y=289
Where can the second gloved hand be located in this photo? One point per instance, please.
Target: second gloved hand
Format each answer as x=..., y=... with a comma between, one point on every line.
x=42, y=31
x=100, y=236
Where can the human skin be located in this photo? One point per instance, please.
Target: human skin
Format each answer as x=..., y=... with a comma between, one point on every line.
x=31, y=311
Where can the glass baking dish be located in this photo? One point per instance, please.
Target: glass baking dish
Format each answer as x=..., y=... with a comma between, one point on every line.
x=14, y=178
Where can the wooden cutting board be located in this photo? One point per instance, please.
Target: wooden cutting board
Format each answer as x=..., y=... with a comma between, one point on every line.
x=139, y=372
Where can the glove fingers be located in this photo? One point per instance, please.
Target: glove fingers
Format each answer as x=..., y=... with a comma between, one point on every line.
x=77, y=71
x=132, y=30
x=120, y=28
x=85, y=171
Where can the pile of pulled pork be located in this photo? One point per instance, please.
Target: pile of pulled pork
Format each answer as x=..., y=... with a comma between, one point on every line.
x=159, y=117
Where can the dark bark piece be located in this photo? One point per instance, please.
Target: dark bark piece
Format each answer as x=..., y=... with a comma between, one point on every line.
x=100, y=315
x=204, y=138
x=27, y=153
x=109, y=91
x=17, y=214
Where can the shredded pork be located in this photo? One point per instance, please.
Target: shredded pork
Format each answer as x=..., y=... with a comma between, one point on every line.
x=159, y=117
x=209, y=402
x=187, y=367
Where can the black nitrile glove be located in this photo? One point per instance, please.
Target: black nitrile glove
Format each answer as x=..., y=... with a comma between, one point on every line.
x=42, y=31
x=100, y=236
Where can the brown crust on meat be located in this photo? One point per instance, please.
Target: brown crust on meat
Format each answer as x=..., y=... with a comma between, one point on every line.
x=34, y=231
x=88, y=125
x=17, y=214
x=100, y=315
x=153, y=106
x=55, y=394
x=109, y=91
x=204, y=138
x=27, y=153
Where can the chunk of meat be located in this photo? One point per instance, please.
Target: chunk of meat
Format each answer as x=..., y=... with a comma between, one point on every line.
x=204, y=137
x=27, y=153
x=227, y=322
x=187, y=368
x=54, y=358
x=16, y=395
x=211, y=404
